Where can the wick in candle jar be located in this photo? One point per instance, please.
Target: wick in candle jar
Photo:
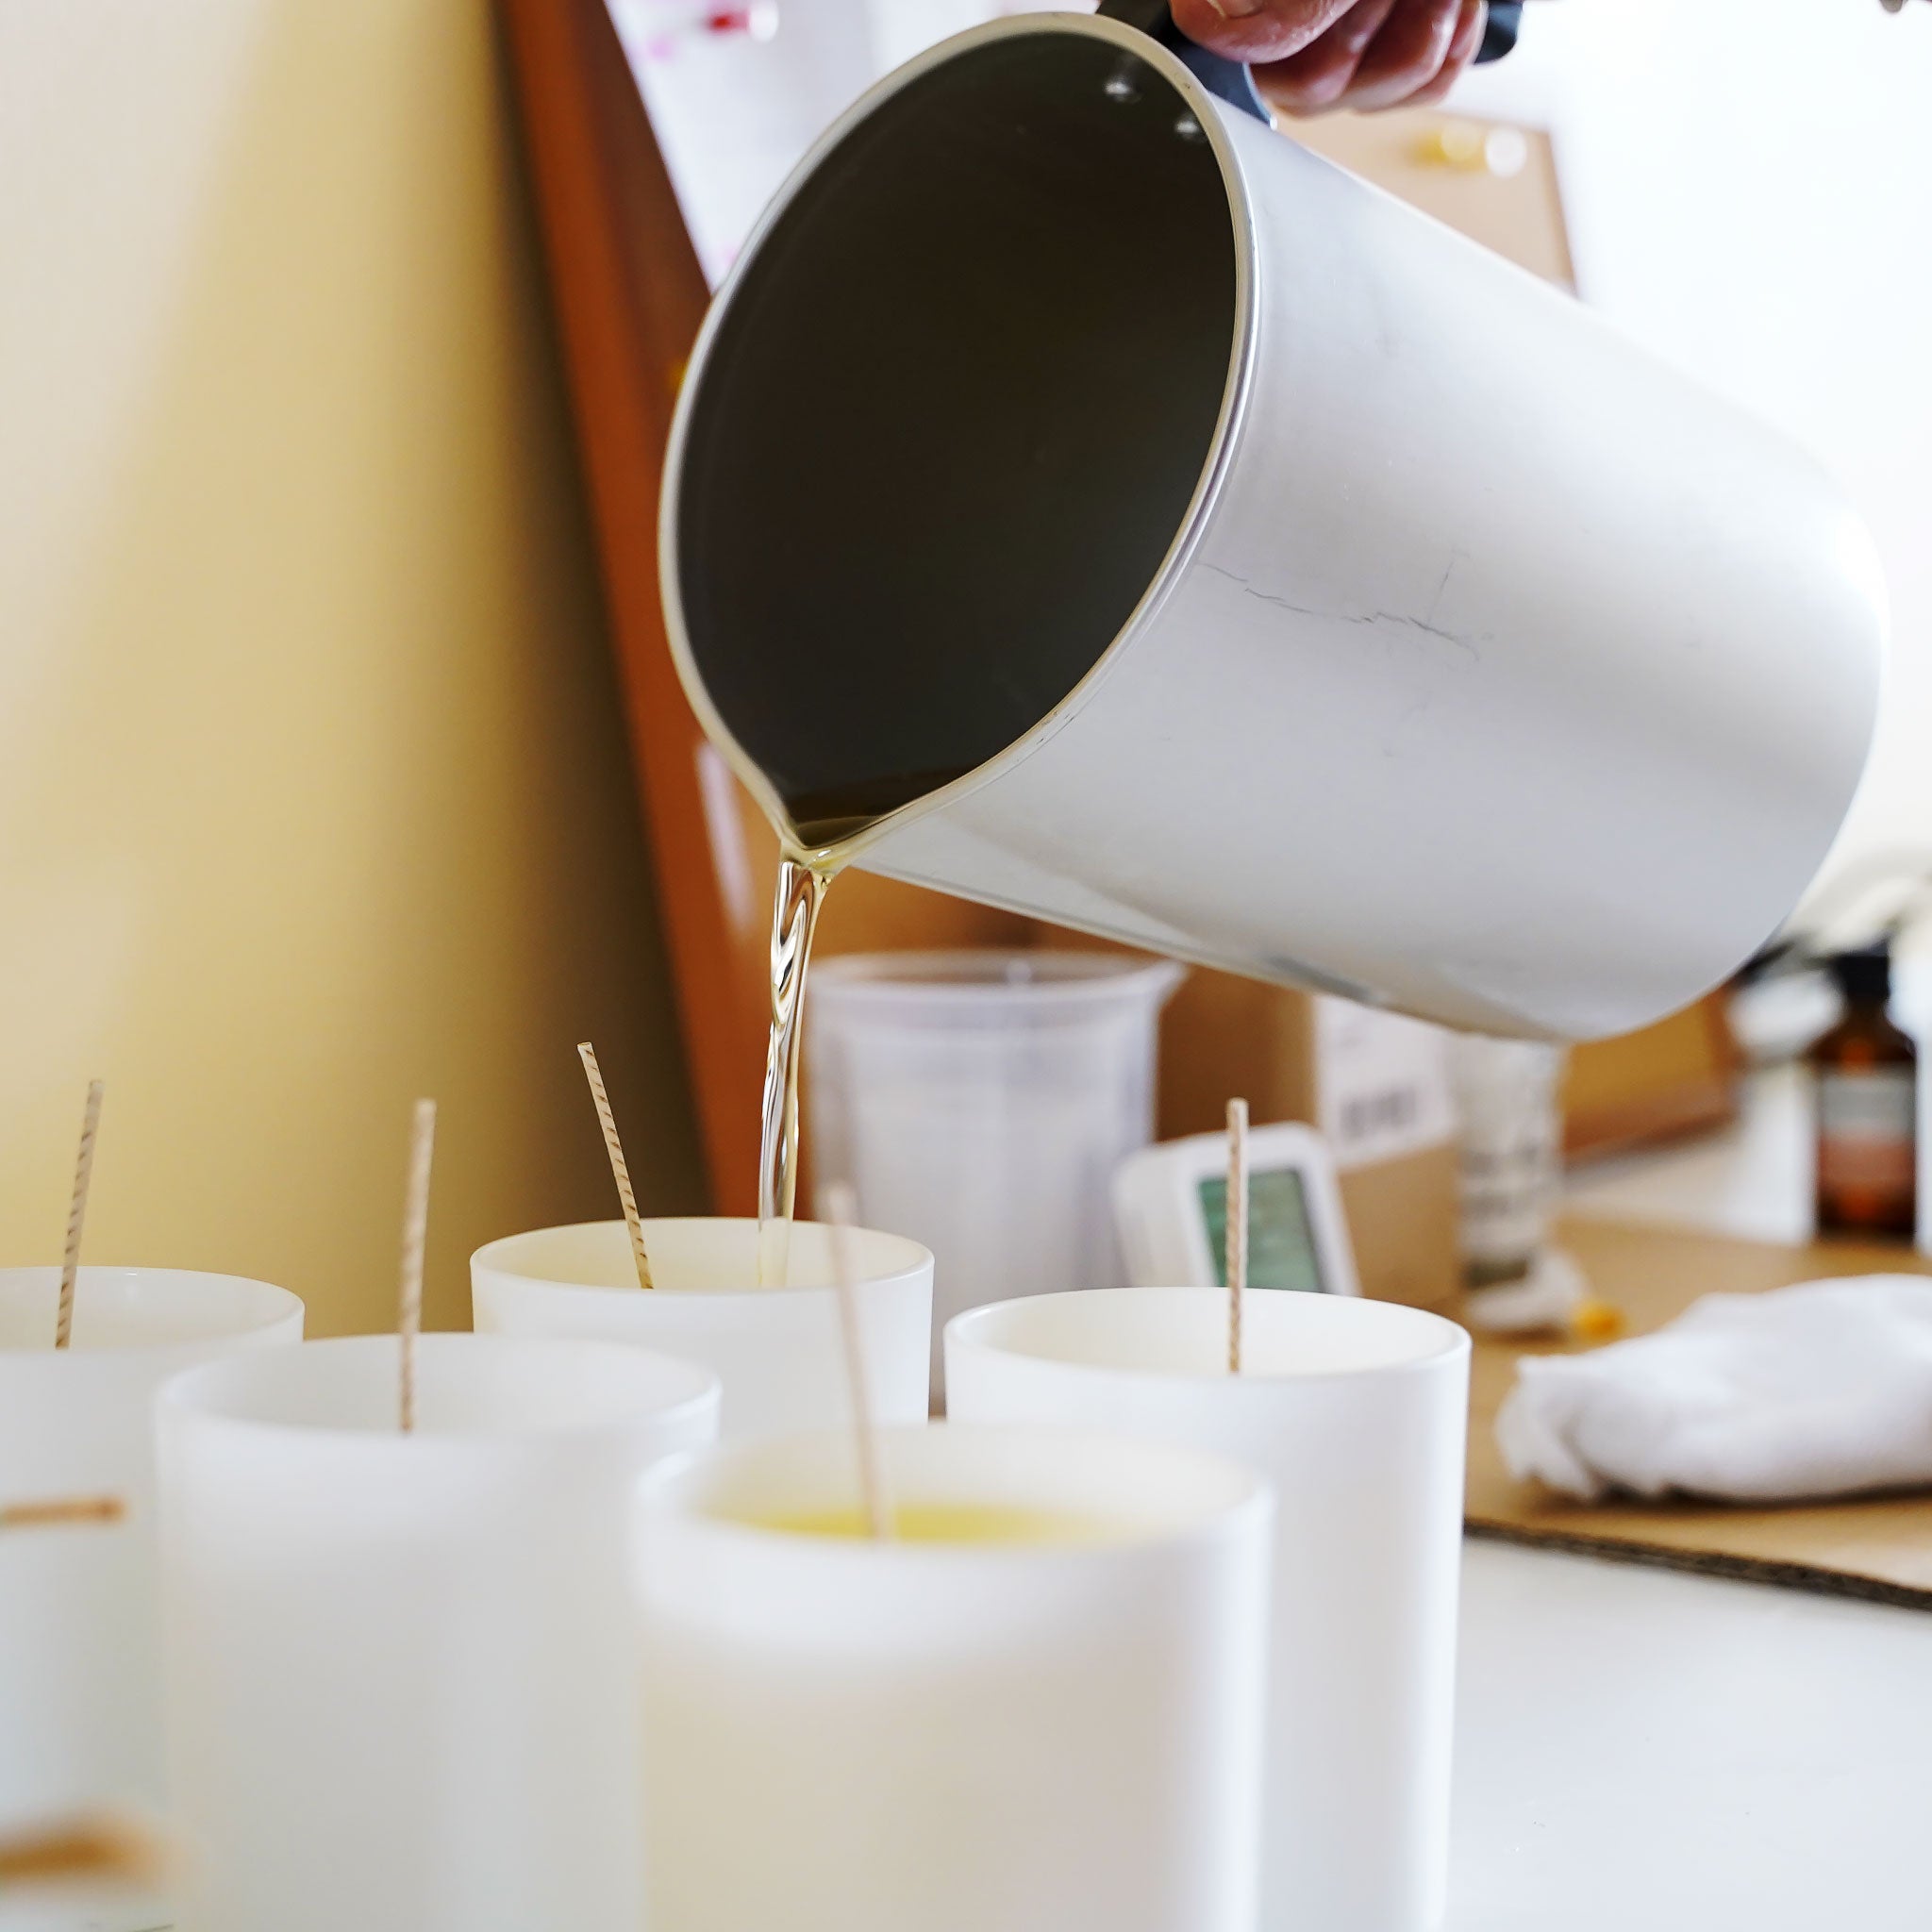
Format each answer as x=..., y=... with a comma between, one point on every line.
x=77, y=1850
x=77, y=1213
x=59, y=1509
x=1236, y=1228
x=415, y=1229
x=620, y=1170
x=840, y=1209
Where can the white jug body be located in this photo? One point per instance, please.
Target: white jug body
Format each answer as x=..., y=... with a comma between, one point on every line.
x=1491, y=669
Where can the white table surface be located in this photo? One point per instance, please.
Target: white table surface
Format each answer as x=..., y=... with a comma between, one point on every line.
x=1645, y=1750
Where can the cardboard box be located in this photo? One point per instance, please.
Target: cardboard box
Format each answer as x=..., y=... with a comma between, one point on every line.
x=1678, y=1076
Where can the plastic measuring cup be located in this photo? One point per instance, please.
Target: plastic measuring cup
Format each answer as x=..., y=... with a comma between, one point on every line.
x=979, y=1102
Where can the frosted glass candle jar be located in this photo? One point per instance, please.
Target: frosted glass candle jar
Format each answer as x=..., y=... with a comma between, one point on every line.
x=402, y=1672
x=1355, y=1410
x=1037, y=1710
x=777, y=1350
x=81, y=1678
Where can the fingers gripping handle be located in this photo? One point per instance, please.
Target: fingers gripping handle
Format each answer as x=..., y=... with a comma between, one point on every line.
x=1232, y=82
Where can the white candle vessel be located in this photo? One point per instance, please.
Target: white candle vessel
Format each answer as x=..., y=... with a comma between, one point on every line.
x=401, y=1668
x=80, y=1690
x=1037, y=1709
x=777, y=1350
x=1357, y=1410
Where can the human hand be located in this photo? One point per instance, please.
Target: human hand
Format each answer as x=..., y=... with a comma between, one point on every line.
x=1312, y=57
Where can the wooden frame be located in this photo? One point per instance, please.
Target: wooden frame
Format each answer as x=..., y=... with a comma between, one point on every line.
x=630, y=296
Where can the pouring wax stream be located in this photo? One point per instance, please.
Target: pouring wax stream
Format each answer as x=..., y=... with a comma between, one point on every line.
x=802, y=886
x=817, y=840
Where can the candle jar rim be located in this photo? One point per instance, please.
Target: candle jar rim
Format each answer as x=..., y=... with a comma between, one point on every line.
x=1424, y=1341
x=878, y=1258
x=345, y=1389
x=997, y=1466
x=128, y=1311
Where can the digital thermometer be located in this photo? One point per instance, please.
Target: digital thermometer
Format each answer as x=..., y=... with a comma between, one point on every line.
x=1170, y=1206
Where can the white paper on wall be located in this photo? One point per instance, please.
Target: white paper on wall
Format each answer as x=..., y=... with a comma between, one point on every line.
x=735, y=111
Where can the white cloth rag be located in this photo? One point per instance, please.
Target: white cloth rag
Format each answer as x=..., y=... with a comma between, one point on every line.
x=1821, y=1390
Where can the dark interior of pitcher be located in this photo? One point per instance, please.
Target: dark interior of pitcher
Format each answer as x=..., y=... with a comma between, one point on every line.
x=953, y=420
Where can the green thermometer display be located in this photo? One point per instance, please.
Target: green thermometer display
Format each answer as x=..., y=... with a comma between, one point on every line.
x=1281, y=1245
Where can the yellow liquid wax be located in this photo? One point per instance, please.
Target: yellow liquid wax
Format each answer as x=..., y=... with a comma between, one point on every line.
x=802, y=886
x=953, y=1522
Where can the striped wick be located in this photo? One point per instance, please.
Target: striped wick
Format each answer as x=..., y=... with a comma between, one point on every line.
x=415, y=1233
x=620, y=1171
x=1236, y=1228
x=76, y=1212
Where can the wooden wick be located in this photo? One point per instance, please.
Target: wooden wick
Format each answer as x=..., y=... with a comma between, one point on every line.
x=58, y=1509
x=78, y=1849
x=840, y=1207
x=76, y=1212
x=415, y=1229
x=1236, y=1228
x=620, y=1171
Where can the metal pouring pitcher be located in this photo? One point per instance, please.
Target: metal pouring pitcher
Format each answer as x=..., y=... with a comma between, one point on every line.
x=1096, y=504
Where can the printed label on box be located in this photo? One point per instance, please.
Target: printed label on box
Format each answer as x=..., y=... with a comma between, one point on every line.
x=1381, y=1083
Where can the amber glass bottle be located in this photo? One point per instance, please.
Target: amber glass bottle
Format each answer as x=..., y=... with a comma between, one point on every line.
x=1867, y=1107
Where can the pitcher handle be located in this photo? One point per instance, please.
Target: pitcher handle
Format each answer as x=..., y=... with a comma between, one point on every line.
x=1499, y=35
x=1227, y=80
x=1231, y=80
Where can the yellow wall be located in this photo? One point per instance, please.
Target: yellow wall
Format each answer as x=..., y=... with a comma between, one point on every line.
x=313, y=792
